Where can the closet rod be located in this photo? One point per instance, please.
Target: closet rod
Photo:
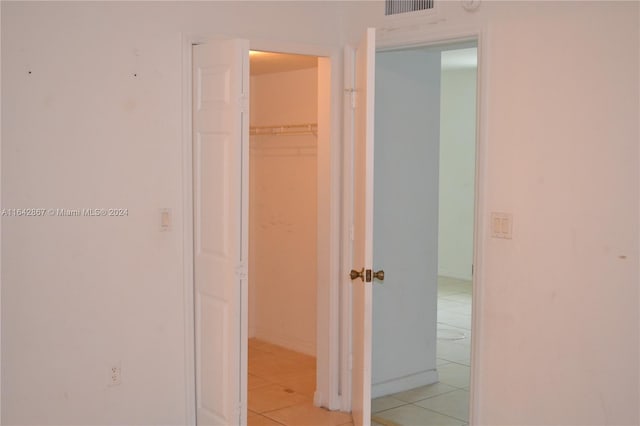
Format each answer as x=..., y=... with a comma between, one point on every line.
x=285, y=129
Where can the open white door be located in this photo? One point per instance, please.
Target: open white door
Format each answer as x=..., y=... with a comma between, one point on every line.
x=363, y=230
x=220, y=170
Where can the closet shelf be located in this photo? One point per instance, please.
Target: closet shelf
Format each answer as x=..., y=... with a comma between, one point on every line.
x=285, y=129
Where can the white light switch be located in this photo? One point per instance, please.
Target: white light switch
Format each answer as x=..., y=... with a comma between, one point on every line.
x=497, y=226
x=505, y=224
x=165, y=220
x=501, y=225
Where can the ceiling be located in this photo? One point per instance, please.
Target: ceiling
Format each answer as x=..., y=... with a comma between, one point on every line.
x=269, y=62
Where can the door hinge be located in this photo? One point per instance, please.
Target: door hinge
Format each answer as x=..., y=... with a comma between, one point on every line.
x=352, y=97
x=240, y=411
x=244, y=103
x=367, y=277
x=242, y=271
x=472, y=269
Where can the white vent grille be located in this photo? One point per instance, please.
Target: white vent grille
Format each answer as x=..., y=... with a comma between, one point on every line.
x=395, y=7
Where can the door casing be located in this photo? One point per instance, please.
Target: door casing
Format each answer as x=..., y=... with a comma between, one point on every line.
x=329, y=214
x=334, y=311
x=403, y=37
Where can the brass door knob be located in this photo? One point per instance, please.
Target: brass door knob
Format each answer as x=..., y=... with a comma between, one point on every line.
x=357, y=274
x=379, y=275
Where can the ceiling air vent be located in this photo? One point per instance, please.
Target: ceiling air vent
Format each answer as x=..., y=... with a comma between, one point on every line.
x=395, y=7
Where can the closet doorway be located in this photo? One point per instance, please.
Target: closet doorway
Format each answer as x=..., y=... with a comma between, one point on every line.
x=283, y=235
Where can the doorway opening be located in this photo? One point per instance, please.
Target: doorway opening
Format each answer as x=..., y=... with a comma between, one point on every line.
x=456, y=229
x=216, y=179
x=426, y=144
x=283, y=236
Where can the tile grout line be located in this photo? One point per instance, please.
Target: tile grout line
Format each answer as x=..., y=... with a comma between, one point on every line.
x=441, y=413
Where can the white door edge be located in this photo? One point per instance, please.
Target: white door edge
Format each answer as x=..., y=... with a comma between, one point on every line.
x=347, y=225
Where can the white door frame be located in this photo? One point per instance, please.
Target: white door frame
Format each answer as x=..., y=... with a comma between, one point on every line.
x=329, y=214
x=403, y=37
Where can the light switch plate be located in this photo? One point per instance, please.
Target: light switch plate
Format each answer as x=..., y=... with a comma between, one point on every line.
x=165, y=220
x=501, y=225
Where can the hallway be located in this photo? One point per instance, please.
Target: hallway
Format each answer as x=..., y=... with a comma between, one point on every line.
x=446, y=402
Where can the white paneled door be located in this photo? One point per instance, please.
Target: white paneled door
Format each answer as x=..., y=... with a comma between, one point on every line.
x=363, y=230
x=220, y=185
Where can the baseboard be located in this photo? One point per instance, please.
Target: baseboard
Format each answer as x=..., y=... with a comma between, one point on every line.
x=404, y=383
x=455, y=275
x=292, y=343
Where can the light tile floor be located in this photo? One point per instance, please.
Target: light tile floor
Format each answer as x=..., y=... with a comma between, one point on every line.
x=446, y=402
x=282, y=382
x=281, y=386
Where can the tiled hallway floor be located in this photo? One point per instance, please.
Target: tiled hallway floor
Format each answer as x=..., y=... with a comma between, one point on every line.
x=281, y=387
x=282, y=382
x=446, y=402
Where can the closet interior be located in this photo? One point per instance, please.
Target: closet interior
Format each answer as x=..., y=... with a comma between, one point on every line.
x=282, y=232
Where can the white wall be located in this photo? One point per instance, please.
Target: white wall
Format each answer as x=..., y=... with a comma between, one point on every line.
x=457, y=172
x=564, y=142
x=405, y=220
x=283, y=212
x=563, y=294
x=82, y=131
x=558, y=337
x=559, y=326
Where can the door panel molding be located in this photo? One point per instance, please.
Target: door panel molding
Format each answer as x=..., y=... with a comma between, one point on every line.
x=220, y=195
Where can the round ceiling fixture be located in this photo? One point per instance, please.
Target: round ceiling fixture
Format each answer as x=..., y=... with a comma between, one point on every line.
x=470, y=5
